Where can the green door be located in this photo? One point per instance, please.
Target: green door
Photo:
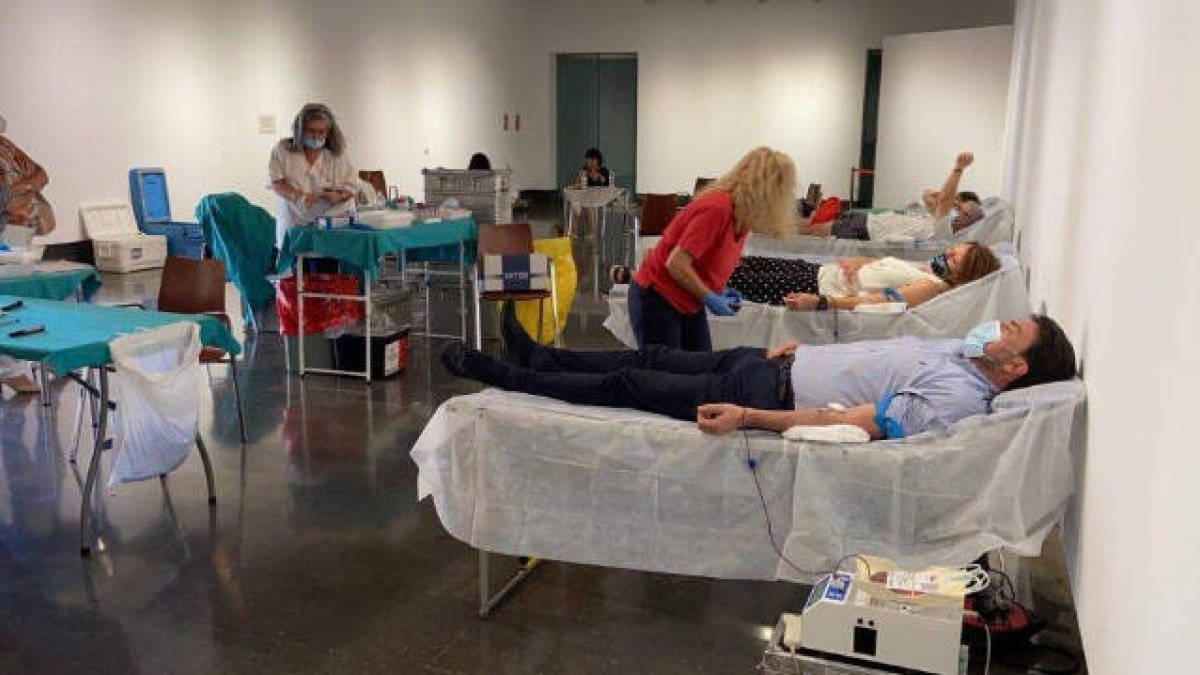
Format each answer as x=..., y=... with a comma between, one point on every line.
x=597, y=107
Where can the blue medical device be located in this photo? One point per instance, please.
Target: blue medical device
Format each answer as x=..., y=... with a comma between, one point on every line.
x=152, y=209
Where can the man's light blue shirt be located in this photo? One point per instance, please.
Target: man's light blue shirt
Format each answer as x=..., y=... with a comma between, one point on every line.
x=916, y=385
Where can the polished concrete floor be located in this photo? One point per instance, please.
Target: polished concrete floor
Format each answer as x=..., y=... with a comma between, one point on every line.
x=319, y=559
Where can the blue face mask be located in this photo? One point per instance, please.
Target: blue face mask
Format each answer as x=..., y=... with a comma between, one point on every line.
x=988, y=331
x=314, y=143
x=940, y=266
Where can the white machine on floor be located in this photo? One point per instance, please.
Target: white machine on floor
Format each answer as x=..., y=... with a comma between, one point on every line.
x=881, y=618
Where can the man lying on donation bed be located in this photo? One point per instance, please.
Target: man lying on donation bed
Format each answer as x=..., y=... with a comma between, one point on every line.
x=889, y=388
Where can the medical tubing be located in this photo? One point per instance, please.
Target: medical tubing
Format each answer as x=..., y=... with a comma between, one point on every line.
x=752, y=465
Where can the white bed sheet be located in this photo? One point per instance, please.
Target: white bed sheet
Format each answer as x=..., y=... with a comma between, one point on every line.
x=525, y=475
x=1000, y=295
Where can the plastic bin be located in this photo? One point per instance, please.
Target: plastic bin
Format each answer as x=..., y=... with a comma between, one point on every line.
x=184, y=240
x=487, y=194
x=389, y=353
x=117, y=244
x=318, y=351
x=152, y=209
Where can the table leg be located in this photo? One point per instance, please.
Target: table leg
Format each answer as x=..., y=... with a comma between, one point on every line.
x=44, y=382
x=462, y=289
x=300, y=316
x=85, y=507
x=367, y=284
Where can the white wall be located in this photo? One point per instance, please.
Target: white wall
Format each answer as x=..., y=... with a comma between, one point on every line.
x=716, y=80
x=1104, y=166
x=942, y=93
x=91, y=89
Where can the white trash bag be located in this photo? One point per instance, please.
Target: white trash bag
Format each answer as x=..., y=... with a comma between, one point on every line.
x=157, y=391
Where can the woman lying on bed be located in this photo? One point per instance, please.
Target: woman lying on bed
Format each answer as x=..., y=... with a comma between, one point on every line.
x=850, y=282
x=947, y=211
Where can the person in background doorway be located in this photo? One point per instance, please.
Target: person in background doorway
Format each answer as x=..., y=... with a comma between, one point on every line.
x=688, y=270
x=310, y=172
x=594, y=173
x=479, y=162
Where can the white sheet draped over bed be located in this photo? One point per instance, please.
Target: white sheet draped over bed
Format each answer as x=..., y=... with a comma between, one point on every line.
x=1000, y=295
x=525, y=475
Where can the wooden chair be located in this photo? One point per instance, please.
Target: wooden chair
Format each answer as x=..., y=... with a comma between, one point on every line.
x=656, y=214
x=198, y=287
x=375, y=179
x=510, y=239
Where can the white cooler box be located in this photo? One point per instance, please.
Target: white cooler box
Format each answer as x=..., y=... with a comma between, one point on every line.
x=116, y=242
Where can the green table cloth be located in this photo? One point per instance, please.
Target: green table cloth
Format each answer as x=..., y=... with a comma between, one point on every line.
x=51, y=282
x=361, y=249
x=77, y=335
x=242, y=236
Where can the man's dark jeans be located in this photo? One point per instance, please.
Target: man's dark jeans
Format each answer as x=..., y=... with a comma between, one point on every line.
x=655, y=379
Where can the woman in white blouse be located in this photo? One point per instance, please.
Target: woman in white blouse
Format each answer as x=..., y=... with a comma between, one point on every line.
x=310, y=171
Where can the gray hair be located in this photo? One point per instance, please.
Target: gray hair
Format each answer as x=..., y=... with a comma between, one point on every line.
x=335, y=141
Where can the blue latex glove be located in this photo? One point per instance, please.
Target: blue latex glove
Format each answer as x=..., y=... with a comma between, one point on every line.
x=734, y=296
x=719, y=304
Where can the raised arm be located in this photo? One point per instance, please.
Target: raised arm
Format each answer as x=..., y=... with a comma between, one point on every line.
x=723, y=418
x=950, y=188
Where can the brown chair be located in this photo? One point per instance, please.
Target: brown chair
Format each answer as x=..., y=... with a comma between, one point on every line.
x=701, y=184
x=375, y=179
x=656, y=213
x=510, y=239
x=198, y=287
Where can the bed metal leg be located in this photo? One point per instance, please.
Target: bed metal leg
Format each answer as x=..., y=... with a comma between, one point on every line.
x=487, y=601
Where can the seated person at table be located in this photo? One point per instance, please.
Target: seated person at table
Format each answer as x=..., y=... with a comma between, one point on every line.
x=593, y=173
x=888, y=388
x=948, y=211
x=850, y=282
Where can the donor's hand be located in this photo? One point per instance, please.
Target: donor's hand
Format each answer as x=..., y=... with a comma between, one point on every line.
x=720, y=418
x=786, y=349
x=801, y=302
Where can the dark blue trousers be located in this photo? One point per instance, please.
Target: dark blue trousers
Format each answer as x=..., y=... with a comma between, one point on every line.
x=655, y=379
x=656, y=322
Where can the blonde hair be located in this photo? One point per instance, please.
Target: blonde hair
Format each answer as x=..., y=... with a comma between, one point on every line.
x=763, y=188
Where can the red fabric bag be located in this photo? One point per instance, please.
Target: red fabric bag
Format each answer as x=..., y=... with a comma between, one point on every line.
x=319, y=313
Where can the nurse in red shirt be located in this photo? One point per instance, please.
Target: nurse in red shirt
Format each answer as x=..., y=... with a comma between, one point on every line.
x=688, y=270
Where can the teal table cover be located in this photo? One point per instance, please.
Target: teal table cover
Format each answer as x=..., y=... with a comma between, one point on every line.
x=77, y=335
x=53, y=285
x=361, y=249
x=242, y=236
